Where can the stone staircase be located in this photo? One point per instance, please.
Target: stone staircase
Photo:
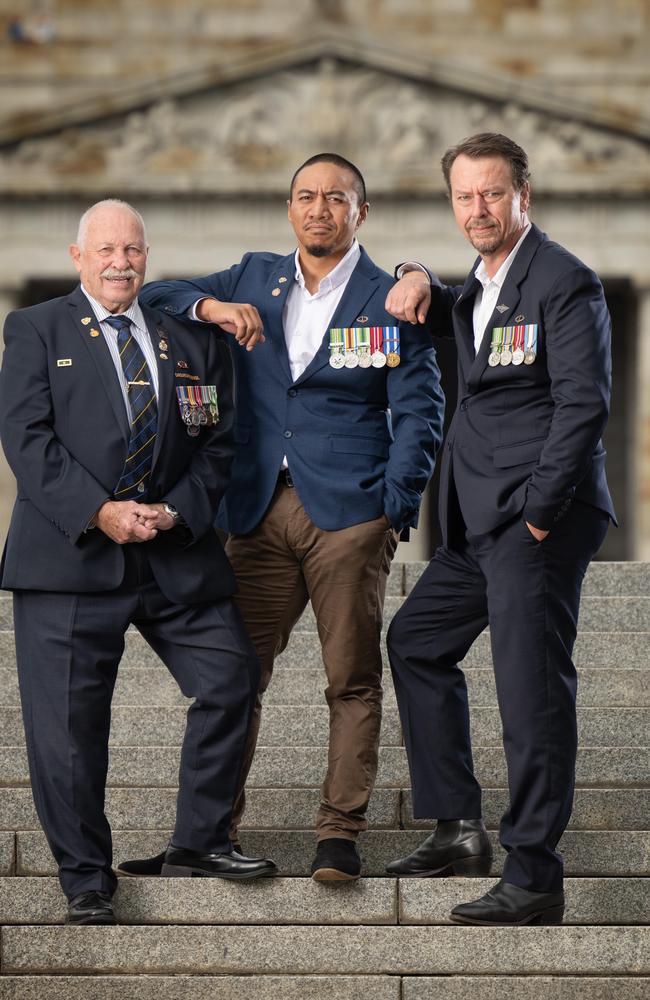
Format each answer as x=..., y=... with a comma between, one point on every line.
x=380, y=939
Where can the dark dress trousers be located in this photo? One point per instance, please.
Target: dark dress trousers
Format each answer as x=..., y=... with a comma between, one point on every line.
x=524, y=445
x=65, y=432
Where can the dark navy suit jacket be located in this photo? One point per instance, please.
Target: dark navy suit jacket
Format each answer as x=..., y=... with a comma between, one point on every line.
x=360, y=442
x=65, y=432
x=527, y=439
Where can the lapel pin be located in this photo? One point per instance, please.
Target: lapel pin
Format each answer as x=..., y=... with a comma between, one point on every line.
x=276, y=291
x=282, y=280
x=181, y=364
x=63, y=362
x=163, y=356
x=502, y=308
x=361, y=319
x=163, y=345
x=520, y=318
x=86, y=320
x=94, y=333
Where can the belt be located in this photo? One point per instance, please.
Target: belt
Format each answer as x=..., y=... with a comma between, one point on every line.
x=284, y=478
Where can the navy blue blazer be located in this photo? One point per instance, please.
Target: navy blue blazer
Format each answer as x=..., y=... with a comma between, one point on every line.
x=527, y=439
x=65, y=433
x=360, y=442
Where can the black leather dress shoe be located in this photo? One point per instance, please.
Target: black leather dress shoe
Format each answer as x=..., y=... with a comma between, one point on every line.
x=91, y=908
x=456, y=847
x=151, y=866
x=337, y=860
x=180, y=863
x=506, y=904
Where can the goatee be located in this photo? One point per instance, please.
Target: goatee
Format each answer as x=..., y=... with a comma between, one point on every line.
x=318, y=250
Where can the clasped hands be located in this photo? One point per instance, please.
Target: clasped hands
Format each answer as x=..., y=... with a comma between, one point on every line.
x=127, y=521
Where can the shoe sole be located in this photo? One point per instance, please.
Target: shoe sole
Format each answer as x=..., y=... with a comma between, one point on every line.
x=333, y=875
x=475, y=867
x=180, y=871
x=544, y=918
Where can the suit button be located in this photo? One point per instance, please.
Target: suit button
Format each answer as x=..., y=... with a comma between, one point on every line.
x=292, y=392
x=288, y=434
x=463, y=406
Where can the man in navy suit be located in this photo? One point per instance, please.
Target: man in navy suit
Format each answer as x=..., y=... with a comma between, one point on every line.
x=337, y=423
x=524, y=506
x=113, y=524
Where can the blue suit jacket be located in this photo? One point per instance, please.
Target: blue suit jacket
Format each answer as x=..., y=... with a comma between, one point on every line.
x=350, y=458
x=527, y=439
x=65, y=432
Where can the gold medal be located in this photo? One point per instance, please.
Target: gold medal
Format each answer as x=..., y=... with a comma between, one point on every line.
x=393, y=360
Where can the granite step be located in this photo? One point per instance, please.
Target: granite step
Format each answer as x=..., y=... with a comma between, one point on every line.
x=586, y=852
x=603, y=579
x=322, y=987
x=155, y=686
x=292, y=767
x=216, y=950
x=611, y=613
x=302, y=901
x=295, y=809
x=297, y=725
x=596, y=649
x=249, y=987
x=604, y=614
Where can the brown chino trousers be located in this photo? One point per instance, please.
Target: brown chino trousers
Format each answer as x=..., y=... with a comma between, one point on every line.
x=280, y=566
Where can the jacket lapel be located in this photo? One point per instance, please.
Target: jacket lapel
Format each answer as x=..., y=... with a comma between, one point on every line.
x=509, y=296
x=464, y=322
x=361, y=285
x=275, y=296
x=89, y=329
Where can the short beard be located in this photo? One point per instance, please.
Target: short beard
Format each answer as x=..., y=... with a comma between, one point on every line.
x=319, y=250
x=486, y=245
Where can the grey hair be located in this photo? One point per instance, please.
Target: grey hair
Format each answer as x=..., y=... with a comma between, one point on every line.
x=116, y=203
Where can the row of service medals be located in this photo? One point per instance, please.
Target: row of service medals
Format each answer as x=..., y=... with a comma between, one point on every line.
x=513, y=345
x=364, y=347
x=199, y=406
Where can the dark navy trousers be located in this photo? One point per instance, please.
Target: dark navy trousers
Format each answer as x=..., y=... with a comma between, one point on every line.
x=528, y=592
x=68, y=649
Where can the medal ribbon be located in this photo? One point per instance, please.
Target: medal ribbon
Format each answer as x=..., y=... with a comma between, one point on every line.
x=391, y=339
x=377, y=339
x=336, y=340
x=350, y=339
x=497, y=339
x=363, y=339
x=531, y=337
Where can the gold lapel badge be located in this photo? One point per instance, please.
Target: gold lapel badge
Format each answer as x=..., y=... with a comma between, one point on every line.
x=282, y=280
x=276, y=292
x=64, y=362
x=163, y=345
x=94, y=333
x=520, y=318
x=164, y=356
x=86, y=320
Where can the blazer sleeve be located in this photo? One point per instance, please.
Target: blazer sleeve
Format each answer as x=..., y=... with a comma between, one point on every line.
x=48, y=475
x=198, y=492
x=416, y=404
x=177, y=297
x=578, y=347
x=439, y=317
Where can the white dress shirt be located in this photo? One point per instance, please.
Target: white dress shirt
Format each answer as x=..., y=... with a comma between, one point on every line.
x=487, y=297
x=139, y=332
x=306, y=317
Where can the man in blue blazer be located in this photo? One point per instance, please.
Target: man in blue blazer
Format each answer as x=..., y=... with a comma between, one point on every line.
x=113, y=524
x=524, y=506
x=338, y=417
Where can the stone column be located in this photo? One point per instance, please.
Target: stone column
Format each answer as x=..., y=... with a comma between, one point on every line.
x=640, y=450
x=8, y=301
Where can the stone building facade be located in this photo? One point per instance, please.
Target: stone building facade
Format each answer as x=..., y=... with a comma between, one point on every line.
x=198, y=114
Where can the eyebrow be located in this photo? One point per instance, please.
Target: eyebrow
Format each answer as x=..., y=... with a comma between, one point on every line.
x=311, y=191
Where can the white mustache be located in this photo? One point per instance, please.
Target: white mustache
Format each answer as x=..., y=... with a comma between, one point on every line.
x=114, y=272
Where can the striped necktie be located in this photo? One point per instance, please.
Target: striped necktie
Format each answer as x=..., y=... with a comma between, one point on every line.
x=132, y=484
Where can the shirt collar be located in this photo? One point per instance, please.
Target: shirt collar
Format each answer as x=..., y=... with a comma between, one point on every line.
x=338, y=275
x=498, y=279
x=134, y=312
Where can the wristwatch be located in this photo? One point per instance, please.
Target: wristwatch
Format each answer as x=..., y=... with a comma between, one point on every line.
x=168, y=509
